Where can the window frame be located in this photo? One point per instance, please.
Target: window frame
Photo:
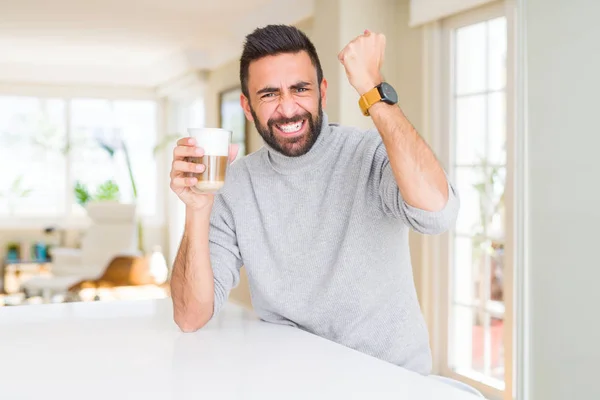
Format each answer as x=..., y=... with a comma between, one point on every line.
x=438, y=116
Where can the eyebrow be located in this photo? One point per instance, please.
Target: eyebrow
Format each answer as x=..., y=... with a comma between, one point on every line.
x=270, y=89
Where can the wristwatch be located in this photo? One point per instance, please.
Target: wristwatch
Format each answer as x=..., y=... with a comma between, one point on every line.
x=382, y=92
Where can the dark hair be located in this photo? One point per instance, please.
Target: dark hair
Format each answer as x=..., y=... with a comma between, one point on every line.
x=272, y=40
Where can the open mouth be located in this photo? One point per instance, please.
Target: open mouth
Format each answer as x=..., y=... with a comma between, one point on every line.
x=291, y=129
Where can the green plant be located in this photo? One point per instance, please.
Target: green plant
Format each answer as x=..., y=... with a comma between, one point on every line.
x=16, y=191
x=82, y=194
x=491, y=200
x=107, y=191
x=487, y=248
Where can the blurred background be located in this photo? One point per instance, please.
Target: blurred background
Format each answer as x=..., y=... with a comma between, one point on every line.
x=93, y=95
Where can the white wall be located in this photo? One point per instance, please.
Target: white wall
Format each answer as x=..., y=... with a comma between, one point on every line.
x=403, y=67
x=563, y=40
x=327, y=41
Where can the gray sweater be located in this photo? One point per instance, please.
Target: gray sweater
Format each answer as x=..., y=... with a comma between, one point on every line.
x=324, y=238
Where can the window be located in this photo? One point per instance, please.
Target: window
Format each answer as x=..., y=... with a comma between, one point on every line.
x=479, y=133
x=32, y=154
x=476, y=329
x=49, y=144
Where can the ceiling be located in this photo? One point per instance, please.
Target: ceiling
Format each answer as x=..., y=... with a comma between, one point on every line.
x=128, y=42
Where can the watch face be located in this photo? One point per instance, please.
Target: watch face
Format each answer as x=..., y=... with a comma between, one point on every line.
x=388, y=94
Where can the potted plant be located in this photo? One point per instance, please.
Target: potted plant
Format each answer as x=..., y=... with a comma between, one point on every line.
x=103, y=203
x=111, y=147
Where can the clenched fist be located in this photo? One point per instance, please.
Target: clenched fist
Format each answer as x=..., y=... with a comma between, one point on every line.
x=362, y=59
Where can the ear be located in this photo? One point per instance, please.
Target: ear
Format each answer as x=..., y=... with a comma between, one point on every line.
x=245, y=103
x=323, y=89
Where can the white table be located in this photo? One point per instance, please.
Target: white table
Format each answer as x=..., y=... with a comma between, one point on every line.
x=133, y=350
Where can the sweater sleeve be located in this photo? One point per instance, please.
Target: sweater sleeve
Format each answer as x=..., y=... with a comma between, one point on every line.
x=422, y=221
x=225, y=257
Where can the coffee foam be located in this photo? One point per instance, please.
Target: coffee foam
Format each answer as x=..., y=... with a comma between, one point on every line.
x=214, y=141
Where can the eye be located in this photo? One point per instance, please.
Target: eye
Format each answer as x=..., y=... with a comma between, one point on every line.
x=267, y=95
x=301, y=89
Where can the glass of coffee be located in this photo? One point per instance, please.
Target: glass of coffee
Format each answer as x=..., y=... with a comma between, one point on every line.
x=215, y=142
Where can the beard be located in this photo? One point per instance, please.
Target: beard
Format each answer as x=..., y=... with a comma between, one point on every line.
x=291, y=147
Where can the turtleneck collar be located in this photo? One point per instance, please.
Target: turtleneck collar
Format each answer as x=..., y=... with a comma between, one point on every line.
x=289, y=165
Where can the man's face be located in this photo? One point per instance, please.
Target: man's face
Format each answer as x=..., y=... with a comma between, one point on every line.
x=285, y=102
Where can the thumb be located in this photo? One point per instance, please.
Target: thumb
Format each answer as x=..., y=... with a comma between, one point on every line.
x=233, y=151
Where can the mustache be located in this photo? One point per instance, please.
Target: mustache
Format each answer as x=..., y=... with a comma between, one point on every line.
x=288, y=120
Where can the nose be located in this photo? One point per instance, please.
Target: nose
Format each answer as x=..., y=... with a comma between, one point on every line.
x=287, y=105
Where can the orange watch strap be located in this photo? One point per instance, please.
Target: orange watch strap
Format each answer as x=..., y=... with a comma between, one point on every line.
x=368, y=99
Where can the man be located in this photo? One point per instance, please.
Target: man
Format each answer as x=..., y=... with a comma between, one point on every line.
x=319, y=215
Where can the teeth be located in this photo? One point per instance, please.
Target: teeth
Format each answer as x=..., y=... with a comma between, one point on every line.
x=289, y=128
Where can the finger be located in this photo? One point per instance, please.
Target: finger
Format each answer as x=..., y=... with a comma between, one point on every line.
x=346, y=53
x=186, y=141
x=180, y=152
x=177, y=174
x=183, y=182
x=233, y=151
x=183, y=166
